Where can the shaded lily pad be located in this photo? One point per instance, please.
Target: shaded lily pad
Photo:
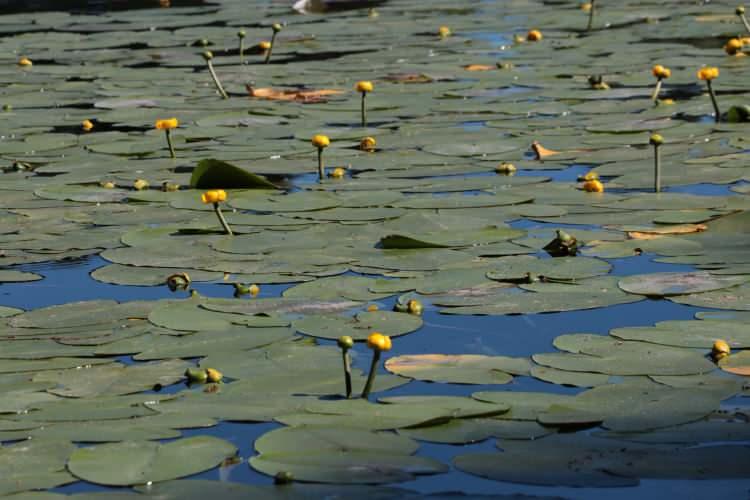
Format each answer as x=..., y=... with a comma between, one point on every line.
x=217, y=174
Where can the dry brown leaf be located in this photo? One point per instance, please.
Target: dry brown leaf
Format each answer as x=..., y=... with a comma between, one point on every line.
x=541, y=152
x=291, y=95
x=478, y=67
x=658, y=232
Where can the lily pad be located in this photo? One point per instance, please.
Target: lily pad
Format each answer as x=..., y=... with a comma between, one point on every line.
x=458, y=369
x=671, y=284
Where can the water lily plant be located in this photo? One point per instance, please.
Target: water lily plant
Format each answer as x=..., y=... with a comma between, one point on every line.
x=167, y=125
x=208, y=57
x=276, y=27
x=378, y=343
x=740, y=11
x=661, y=73
x=656, y=140
x=368, y=144
x=733, y=47
x=215, y=196
x=345, y=342
x=364, y=87
x=241, y=35
x=708, y=74
x=321, y=142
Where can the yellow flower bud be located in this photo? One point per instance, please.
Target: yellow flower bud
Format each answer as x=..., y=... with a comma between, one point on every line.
x=321, y=141
x=25, y=61
x=254, y=290
x=338, y=173
x=140, y=184
x=276, y=27
x=372, y=308
x=213, y=375
x=594, y=186
x=107, y=184
x=364, y=86
x=661, y=72
x=444, y=31
x=264, y=45
x=506, y=168
x=345, y=342
x=733, y=47
x=720, y=350
x=368, y=144
x=167, y=124
x=591, y=176
x=708, y=73
x=87, y=125
x=534, y=36
x=656, y=140
x=214, y=196
x=378, y=341
x=414, y=307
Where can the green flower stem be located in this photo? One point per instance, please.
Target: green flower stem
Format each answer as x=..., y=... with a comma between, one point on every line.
x=270, y=49
x=364, y=110
x=657, y=169
x=242, y=51
x=371, y=375
x=657, y=89
x=591, y=15
x=168, y=133
x=347, y=372
x=745, y=22
x=717, y=118
x=223, y=221
x=216, y=80
x=321, y=171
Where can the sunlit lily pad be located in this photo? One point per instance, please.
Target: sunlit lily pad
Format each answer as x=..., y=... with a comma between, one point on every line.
x=138, y=462
x=458, y=369
x=670, y=284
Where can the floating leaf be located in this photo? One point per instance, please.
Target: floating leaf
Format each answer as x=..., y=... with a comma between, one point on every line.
x=217, y=174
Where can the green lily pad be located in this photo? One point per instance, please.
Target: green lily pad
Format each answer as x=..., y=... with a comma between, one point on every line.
x=671, y=284
x=360, y=327
x=139, y=462
x=34, y=465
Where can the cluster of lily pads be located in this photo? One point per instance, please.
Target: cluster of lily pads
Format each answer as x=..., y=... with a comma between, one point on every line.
x=420, y=216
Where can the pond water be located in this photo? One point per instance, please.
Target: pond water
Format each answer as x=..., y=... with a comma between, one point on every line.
x=521, y=373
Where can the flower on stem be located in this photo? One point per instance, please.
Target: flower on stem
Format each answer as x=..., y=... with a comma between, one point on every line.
x=708, y=74
x=656, y=140
x=364, y=87
x=378, y=343
x=345, y=342
x=215, y=196
x=534, y=36
x=661, y=72
x=167, y=125
x=264, y=45
x=25, y=61
x=208, y=57
x=321, y=142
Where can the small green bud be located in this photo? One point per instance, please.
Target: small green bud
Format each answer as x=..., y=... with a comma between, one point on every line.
x=208, y=55
x=740, y=10
x=345, y=342
x=241, y=33
x=283, y=477
x=276, y=27
x=196, y=375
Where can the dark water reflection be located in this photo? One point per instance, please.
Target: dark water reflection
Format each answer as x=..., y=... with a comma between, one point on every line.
x=90, y=6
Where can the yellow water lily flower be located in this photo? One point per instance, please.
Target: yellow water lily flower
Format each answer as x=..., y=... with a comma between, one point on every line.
x=378, y=341
x=321, y=141
x=593, y=186
x=708, y=73
x=25, y=61
x=167, y=124
x=444, y=31
x=734, y=47
x=87, y=125
x=338, y=173
x=264, y=45
x=661, y=72
x=368, y=144
x=364, y=86
x=214, y=196
x=720, y=350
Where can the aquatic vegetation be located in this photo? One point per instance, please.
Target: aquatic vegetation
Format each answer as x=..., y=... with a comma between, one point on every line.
x=321, y=142
x=708, y=74
x=656, y=140
x=208, y=56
